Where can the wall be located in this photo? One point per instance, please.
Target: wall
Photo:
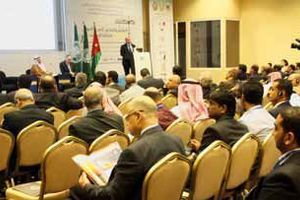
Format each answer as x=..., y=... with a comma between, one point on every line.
x=268, y=28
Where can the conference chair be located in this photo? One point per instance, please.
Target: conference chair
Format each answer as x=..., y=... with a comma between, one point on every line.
x=209, y=170
x=7, y=142
x=72, y=113
x=58, y=173
x=244, y=154
x=167, y=178
x=63, y=129
x=181, y=128
x=6, y=108
x=169, y=101
x=200, y=127
x=110, y=137
x=59, y=116
x=31, y=144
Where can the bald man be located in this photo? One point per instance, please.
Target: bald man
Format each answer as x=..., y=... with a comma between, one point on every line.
x=134, y=90
x=295, y=80
x=152, y=145
x=172, y=84
x=27, y=114
x=96, y=122
x=126, y=52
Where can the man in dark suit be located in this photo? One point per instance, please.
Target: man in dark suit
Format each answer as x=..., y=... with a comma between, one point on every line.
x=67, y=67
x=153, y=144
x=149, y=81
x=126, y=52
x=50, y=97
x=80, y=84
x=27, y=114
x=97, y=121
x=284, y=180
x=279, y=94
x=221, y=108
x=112, y=81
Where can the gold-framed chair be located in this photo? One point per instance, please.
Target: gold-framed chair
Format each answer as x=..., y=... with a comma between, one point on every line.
x=32, y=142
x=170, y=101
x=72, y=113
x=63, y=129
x=200, y=126
x=108, y=138
x=240, y=168
x=55, y=179
x=181, y=128
x=216, y=157
x=7, y=142
x=59, y=116
x=6, y=108
x=167, y=178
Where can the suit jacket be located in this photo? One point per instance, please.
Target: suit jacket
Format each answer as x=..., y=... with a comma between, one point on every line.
x=128, y=175
x=64, y=69
x=59, y=100
x=226, y=129
x=75, y=92
x=125, y=53
x=282, y=183
x=275, y=111
x=3, y=98
x=17, y=120
x=95, y=124
x=151, y=82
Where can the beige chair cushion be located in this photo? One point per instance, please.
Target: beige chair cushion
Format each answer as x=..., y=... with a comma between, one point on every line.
x=209, y=171
x=72, y=113
x=59, y=116
x=63, y=129
x=170, y=101
x=181, y=128
x=6, y=146
x=200, y=127
x=6, y=108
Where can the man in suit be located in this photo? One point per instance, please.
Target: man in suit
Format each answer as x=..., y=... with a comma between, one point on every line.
x=279, y=94
x=222, y=106
x=133, y=89
x=126, y=51
x=27, y=114
x=80, y=84
x=149, y=81
x=96, y=122
x=284, y=180
x=67, y=67
x=112, y=81
x=153, y=144
x=50, y=97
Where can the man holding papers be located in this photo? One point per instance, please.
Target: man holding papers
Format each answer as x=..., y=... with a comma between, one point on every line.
x=125, y=182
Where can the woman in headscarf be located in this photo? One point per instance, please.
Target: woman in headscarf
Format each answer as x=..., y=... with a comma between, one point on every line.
x=191, y=105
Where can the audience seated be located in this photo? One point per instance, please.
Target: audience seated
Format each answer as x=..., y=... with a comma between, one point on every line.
x=165, y=116
x=177, y=70
x=221, y=108
x=279, y=94
x=283, y=181
x=50, y=97
x=256, y=118
x=190, y=101
x=231, y=80
x=172, y=85
x=24, y=81
x=242, y=72
x=67, y=66
x=254, y=73
x=96, y=122
x=295, y=80
x=152, y=145
x=207, y=84
x=80, y=84
x=112, y=81
x=149, y=81
x=133, y=89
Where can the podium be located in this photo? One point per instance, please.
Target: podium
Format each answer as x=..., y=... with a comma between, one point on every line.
x=142, y=60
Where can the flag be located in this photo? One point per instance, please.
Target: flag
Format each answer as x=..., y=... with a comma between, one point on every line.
x=76, y=51
x=96, y=52
x=86, y=61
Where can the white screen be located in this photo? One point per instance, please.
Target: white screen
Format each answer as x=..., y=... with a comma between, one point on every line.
x=27, y=25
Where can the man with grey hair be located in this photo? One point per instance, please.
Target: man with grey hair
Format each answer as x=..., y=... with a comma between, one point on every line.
x=80, y=84
x=96, y=122
x=27, y=114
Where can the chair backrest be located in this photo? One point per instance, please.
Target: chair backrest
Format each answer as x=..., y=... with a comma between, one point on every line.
x=56, y=178
x=7, y=142
x=33, y=141
x=6, y=108
x=181, y=128
x=270, y=155
x=63, y=129
x=169, y=101
x=167, y=178
x=72, y=113
x=216, y=159
x=109, y=137
x=244, y=154
x=200, y=127
x=59, y=116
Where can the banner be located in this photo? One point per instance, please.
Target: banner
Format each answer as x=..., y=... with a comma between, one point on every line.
x=162, y=37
